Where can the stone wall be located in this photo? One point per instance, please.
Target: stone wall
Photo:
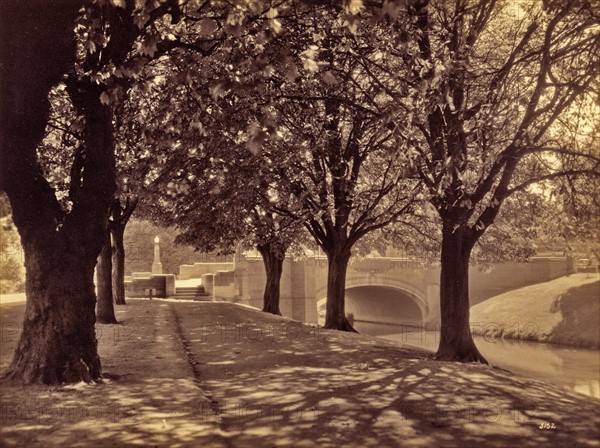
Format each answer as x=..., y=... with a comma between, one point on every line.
x=196, y=270
x=505, y=277
x=302, y=288
x=161, y=285
x=208, y=281
x=224, y=285
x=298, y=291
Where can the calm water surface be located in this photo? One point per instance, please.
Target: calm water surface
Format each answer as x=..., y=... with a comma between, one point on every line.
x=575, y=369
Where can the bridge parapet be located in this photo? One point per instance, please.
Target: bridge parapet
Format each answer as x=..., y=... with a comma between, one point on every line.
x=504, y=277
x=380, y=265
x=304, y=282
x=197, y=270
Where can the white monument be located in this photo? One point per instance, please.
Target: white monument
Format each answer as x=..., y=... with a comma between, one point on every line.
x=156, y=264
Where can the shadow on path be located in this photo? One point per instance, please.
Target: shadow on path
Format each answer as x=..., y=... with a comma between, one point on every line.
x=189, y=374
x=149, y=396
x=279, y=382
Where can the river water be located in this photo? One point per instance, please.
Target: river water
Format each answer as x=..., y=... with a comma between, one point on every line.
x=575, y=369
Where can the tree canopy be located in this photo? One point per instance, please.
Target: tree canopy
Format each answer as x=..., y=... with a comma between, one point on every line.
x=345, y=117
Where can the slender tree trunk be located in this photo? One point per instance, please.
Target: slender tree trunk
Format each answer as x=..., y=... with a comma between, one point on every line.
x=273, y=261
x=456, y=341
x=105, y=311
x=118, y=260
x=337, y=266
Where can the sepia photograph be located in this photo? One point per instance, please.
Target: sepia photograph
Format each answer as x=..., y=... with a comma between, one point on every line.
x=300, y=223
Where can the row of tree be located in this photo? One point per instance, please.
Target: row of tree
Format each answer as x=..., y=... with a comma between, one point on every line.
x=271, y=122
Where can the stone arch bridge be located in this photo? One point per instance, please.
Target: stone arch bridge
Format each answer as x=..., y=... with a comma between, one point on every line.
x=380, y=289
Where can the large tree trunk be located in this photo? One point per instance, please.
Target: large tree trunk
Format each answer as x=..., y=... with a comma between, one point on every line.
x=273, y=261
x=58, y=342
x=337, y=266
x=456, y=341
x=118, y=260
x=105, y=311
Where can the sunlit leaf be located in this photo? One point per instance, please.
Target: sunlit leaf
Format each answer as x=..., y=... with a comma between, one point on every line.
x=105, y=98
x=330, y=78
x=208, y=26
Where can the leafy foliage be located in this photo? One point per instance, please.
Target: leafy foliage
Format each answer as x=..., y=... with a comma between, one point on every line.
x=12, y=275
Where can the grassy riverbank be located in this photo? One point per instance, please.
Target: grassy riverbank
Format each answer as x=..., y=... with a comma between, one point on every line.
x=562, y=311
x=185, y=374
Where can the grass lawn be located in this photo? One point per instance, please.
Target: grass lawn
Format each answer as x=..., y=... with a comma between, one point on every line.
x=562, y=311
x=202, y=374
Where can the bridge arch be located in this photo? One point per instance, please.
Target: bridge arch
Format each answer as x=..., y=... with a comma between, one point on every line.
x=392, y=303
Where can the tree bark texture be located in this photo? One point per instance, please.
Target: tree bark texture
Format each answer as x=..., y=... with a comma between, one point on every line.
x=118, y=262
x=456, y=340
x=105, y=310
x=337, y=267
x=120, y=217
x=273, y=261
x=58, y=342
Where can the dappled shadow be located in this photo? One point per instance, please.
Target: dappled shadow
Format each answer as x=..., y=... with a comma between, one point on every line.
x=281, y=382
x=580, y=309
x=149, y=396
x=248, y=379
x=149, y=412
